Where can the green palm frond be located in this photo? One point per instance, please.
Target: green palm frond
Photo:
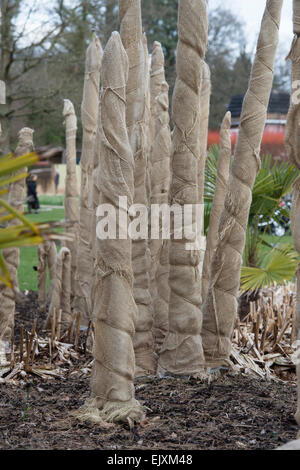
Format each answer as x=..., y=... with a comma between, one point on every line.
x=211, y=173
x=278, y=266
x=9, y=165
x=274, y=181
x=24, y=232
x=5, y=276
x=210, y=182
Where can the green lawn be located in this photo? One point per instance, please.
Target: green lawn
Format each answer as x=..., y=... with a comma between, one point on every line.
x=28, y=256
x=57, y=200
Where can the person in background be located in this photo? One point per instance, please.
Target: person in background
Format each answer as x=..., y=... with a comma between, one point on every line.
x=32, y=198
x=56, y=181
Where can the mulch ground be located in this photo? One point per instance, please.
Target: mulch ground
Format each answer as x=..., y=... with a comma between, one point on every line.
x=233, y=412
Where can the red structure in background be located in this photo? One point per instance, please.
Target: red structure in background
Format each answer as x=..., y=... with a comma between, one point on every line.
x=272, y=142
x=274, y=134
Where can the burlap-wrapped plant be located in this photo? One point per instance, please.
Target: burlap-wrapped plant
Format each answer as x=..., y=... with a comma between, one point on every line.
x=147, y=127
x=95, y=187
x=131, y=34
x=61, y=292
x=219, y=198
x=115, y=312
x=11, y=256
x=204, y=111
x=160, y=182
x=47, y=256
x=2, y=93
x=89, y=111
x=157, y=77
x=293, y=151
x=293, y=445
x=182, y=352
x=157, y=175
x=220, y=306
x=71, y=188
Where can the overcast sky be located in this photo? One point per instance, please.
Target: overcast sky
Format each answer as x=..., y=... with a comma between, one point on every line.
x=251, y=12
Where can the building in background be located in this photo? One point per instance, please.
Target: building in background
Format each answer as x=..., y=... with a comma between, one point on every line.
x=273, y=137
x=46, y=171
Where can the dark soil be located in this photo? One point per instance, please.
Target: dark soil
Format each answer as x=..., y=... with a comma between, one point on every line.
x=244, y=303
x=27, y=310
x=233, y=412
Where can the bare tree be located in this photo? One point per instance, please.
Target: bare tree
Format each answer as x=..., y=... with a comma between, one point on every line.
x=20, y=55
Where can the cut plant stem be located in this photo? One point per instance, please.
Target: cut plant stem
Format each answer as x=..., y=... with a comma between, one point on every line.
x=12, y=353
x=53, y=327
x=33, y=351
x=26, y=367
x=77, y=331
x=58, y=331
x=21, y=343
x=87, y=337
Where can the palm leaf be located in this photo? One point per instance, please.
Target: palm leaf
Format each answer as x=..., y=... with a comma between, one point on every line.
x=24, y=232
x=279, y=265
x=9, y=166
x=5, y=277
